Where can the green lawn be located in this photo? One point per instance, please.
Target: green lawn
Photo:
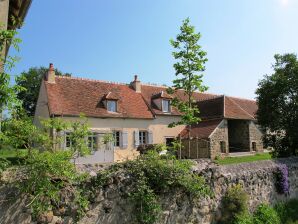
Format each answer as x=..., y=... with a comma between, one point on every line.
x=14, y=156
x=243, y=159
x=10, y=153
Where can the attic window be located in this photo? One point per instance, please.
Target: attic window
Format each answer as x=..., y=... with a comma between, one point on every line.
x=112, y=105
x=166, y=106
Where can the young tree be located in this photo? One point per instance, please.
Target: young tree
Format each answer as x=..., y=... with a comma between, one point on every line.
x=190, y=64
x=79, y=137
x=7, y=91
x=31, y=81
x=277, y=98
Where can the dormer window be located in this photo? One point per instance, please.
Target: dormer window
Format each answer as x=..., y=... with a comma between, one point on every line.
x=166, y=106
x=112, y=105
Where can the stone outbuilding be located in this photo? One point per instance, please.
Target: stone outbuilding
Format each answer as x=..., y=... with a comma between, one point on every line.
x=228, y=125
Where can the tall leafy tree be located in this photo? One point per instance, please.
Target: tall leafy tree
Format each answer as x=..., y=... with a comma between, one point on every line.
x=190, y=64
x=277, y=98
x=189, y=67
x=31, y=81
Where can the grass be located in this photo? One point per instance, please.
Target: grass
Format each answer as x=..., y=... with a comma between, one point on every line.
x=9, y=153
x=16, y=157
x=243, y=159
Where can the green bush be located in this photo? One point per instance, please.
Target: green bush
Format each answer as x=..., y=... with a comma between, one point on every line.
x=152, y=175
x=288, y=211
x=244, y=218
x=4, y=164
x=47, y=174
x=234, y=204
x=265, y=215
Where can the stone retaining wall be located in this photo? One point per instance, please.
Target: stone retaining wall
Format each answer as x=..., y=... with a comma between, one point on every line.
x=108, y=206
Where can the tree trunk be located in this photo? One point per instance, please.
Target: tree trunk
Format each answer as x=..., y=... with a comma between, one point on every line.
x=189, y=128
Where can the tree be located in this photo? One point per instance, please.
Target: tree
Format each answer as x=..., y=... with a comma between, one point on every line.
x=277, y=99
x=189, y=67
x=8, y=92
x=19, y=132
x=31, y=81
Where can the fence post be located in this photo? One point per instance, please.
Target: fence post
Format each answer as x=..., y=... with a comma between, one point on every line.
x=180, y=147
x=197, y=147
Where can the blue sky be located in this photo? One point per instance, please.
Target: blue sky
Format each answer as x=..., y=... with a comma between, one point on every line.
x=113, y=40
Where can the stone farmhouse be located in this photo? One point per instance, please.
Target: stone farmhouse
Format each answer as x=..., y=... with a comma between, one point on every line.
x=139, y=114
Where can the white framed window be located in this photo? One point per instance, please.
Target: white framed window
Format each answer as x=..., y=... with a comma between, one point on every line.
x=116, y=136
x=143, y=137
x=67, y=140
x=92, y=142
x=166, y=106
x=112, y=105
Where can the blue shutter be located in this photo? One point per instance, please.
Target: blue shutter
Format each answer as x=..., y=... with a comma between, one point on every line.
x=137, y=140
x=150, y=137
x=124, y=139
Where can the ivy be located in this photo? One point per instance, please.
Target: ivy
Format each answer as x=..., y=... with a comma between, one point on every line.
x=152, y=175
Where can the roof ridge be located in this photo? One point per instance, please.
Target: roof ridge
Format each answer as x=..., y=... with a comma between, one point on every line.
x=241, y=108
x=241, y=98
x=92, y=80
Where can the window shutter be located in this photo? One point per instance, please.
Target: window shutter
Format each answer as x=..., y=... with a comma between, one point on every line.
x=62, y=137
x=124, y=139
x=99, y=141
x=137, y=140
x=150, y=137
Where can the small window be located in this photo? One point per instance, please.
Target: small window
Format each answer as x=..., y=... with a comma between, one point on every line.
x=116, y=136
x=223, y=147
x=143, y=137
x=67, y=140
x=92, y=141
x=166, y=106
x=112, y=106
x=254, y=146
x=169, y=141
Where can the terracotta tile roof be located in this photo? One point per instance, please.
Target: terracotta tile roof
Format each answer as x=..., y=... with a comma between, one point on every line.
x=149, y=92
x=163, y=94
x=202, y=130
x=111, y=96
x=72, y=96
x=227, y=107
x=211, y=108
x=234, y=111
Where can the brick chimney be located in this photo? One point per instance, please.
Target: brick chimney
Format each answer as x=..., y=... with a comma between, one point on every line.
x=50, y=76
x=136, y=84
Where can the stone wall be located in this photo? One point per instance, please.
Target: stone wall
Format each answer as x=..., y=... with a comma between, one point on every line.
x=109, y=205
x=255, y=135
x=220, y=134
x=257, y=179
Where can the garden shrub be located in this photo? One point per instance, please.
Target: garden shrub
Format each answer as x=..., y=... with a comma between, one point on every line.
x=282, y=179
x=265, y=214
x=244, y=218
x=152, y=175
x=151, y=147
x=4, y=164
x=287, y=211
x=234, y=204
x=47, y=175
